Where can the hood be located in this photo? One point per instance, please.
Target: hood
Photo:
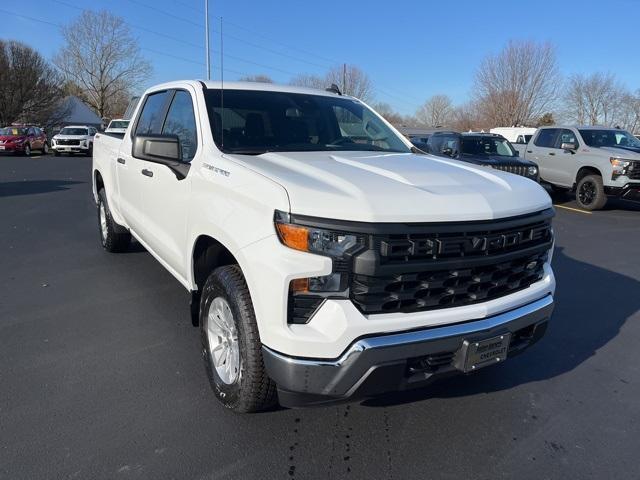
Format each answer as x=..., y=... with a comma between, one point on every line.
x=70, y=137
x=396, y=187
x=632, y=153
x=495, y=160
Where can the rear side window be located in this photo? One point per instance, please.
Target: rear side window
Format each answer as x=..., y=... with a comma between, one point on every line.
x=546, y=138
x=181, y=121
x=150, y=119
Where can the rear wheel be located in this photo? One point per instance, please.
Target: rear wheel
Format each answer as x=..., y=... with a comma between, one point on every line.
x=115, y=238
x=27, y=150
x=231, y=345
x=45, y=148
x=590, y=193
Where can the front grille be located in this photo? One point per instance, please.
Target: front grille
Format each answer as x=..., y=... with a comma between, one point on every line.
x=515, y=169
x=68, y=142
x=635, y=173
x=412, y=292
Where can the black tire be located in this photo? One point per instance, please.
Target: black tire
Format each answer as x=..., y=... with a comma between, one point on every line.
x=27, y=150
x=252, y=390
x=45, y=148
x=89, y=153
x=590, y=193
x=115, y=238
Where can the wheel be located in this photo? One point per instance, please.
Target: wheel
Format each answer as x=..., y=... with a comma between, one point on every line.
x=45, y=148
x=115, y=238
x=27, y=150
x=590, y=193
x=90, y=151
x=231, y=346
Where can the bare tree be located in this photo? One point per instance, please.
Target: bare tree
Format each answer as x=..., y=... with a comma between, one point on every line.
x=629, y=114
x=309, y=81
x=259, y=78
x=518, y=85
x=30, y=89
x=436, y=111
x=467, y=117
x=348, y=78
x=352, y=81
x=102, y=57
x=595, y=99
x=389, y=114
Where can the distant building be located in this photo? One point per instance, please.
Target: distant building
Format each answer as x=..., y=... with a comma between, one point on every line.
x=73, y=111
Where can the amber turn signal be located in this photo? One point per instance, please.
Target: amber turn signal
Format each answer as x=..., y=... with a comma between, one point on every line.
x=294, y=236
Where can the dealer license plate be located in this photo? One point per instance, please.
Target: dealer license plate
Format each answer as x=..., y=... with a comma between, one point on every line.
x=485, y=352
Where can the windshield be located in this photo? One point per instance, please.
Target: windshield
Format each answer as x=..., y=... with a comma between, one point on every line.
x=609, y=138
x=119, y=124
x=73, y=131
x=487, y=146
x=13, y=131
x=256, y=122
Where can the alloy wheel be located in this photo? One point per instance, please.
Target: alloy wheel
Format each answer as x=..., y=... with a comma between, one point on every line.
x=223, y=341
x=587, y=193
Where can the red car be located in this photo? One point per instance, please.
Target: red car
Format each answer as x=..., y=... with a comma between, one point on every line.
x=23, y=140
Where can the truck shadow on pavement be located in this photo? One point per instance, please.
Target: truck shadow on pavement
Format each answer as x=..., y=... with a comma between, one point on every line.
x=592, y=304
x=33, y=187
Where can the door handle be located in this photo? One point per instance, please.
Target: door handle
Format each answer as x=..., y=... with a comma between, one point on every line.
x=121, y=160
x=551, y=153
x=529, y=151
x=147, y=173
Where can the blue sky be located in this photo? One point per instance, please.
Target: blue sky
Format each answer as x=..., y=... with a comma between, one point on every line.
x=410, y=49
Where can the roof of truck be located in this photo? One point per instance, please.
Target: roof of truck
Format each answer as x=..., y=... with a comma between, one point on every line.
x=269, y=87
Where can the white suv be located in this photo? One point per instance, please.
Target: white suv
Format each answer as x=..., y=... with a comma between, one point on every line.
x=74, y=139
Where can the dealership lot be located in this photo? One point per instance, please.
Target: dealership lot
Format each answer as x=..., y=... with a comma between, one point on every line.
x=101, y=375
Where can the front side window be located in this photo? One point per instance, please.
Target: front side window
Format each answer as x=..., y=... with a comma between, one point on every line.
x=546, y=138
x=487, y=146
x=73, y=131
x=444, y=145
x=566, y=136
x=13, y=131
x=609, y=138
x=255, y=122
x=181, y=122
x=150, y=119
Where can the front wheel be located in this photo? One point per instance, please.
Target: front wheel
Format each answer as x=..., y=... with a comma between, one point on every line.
x=231, y=345
x=27, y=150
x=590, y=193
x=115, y=238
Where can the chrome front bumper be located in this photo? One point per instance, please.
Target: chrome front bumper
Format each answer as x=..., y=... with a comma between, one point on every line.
x=399, y=361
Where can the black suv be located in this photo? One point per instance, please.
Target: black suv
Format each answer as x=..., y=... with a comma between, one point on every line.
x=488, y=149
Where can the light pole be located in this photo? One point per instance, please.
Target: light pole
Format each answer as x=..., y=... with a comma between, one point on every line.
x=206, y=34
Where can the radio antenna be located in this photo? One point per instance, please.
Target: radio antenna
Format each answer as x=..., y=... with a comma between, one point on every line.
x=221, y=87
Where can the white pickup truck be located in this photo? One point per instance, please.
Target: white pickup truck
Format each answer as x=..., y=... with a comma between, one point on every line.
x=596, y=162
x=326, y=259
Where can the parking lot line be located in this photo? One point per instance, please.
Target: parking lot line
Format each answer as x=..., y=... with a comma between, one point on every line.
x=573, y=209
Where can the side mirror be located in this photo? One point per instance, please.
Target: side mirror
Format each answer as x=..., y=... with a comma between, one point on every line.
x=162, y=149
x=569, y=147
x=516, y=152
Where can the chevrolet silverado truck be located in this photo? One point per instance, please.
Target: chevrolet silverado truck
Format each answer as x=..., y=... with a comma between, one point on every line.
x=327, y=260
x=595, y=162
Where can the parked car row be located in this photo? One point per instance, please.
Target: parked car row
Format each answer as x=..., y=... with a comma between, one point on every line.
x=72, y=139
x=595, y=162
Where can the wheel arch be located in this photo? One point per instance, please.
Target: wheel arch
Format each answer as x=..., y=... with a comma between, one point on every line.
x=587, y=170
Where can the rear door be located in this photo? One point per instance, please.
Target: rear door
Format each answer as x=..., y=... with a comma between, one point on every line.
x=165, y=197
x=130, y=170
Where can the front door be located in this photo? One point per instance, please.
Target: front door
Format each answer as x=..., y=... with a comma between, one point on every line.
x=164, y=196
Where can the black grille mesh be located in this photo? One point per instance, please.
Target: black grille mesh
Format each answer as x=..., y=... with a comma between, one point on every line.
x=410, y=292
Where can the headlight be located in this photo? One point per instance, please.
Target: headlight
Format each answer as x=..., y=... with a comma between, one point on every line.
x=307, y=294
x=620, y=166
x=314, y=240
x=532, y=171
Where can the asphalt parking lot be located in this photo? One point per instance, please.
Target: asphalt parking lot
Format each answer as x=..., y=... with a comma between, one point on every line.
x=101, y=376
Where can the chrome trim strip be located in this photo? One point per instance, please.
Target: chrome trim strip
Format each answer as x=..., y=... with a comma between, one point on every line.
x=419, y=336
